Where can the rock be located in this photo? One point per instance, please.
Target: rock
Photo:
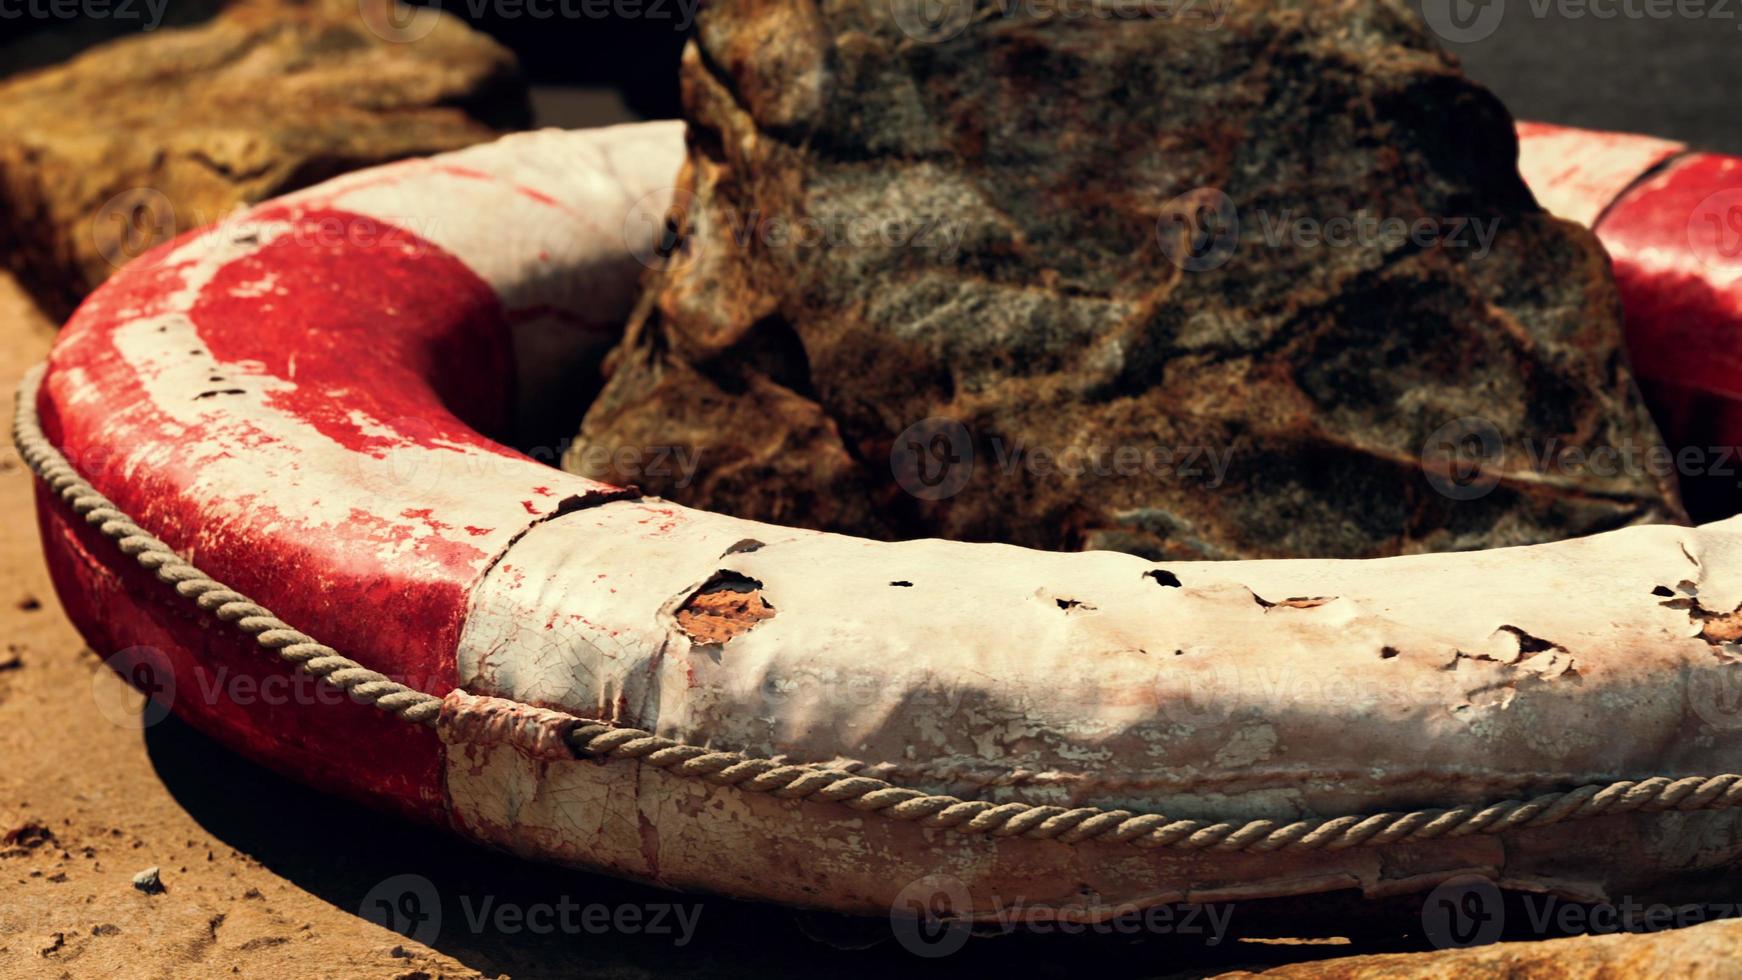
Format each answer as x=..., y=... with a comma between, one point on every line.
x=19, y=834
x=1699, y=951
x=149, y=882
x=1066, y=282
x=38, y=42
x=135, y=140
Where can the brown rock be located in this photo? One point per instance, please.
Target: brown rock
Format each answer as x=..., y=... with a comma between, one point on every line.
x=24, y=834
x=1096, y=254
x=133, y=141
x=1699, y=952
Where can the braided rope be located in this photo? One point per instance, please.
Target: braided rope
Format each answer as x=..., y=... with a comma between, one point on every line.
x=1148, y=830
x=863, y=793
x=290, y=644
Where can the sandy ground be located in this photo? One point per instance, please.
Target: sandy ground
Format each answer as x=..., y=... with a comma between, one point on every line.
x=263, y=877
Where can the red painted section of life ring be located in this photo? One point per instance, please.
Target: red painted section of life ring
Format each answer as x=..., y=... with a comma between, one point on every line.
x=440, y=354
x=1672, y=223
x=1676, y=239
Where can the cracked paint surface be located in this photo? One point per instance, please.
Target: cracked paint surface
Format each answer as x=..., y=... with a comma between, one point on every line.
x=1091, y=679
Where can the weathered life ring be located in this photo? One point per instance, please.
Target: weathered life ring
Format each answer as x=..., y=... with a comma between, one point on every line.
x=271, y=434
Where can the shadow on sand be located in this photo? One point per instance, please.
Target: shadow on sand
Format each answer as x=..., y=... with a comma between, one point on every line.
x=452, y=896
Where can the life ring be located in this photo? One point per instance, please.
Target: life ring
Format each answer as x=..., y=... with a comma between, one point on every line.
x=273, y=434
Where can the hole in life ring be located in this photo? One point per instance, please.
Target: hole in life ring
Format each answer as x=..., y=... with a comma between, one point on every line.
x=727, y=607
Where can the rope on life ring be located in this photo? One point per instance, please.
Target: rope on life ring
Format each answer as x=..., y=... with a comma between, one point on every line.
x=213, y=597
x=607, y=743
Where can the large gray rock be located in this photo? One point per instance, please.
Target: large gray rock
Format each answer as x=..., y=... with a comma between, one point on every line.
x=1172, y=288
